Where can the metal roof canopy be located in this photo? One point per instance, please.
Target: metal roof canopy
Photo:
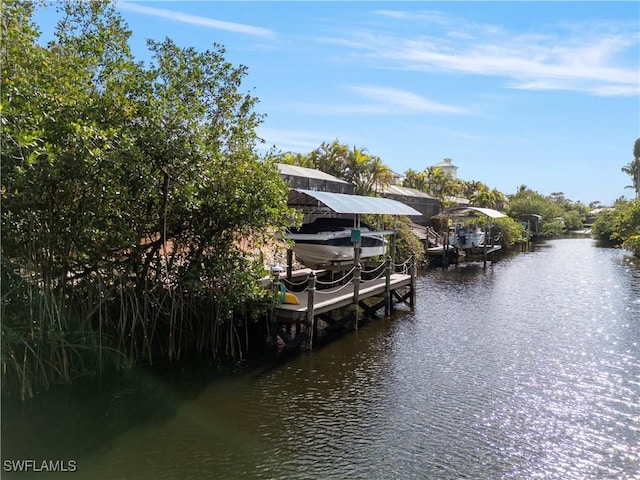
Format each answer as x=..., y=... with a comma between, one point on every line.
x=296, y=171
x=356, y=204
x=460, y=211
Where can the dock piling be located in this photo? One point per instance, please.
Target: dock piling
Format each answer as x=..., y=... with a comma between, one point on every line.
x=387, y=291
x=310, y=302
x=289, y=264
x=414, y=275
x=356, y=291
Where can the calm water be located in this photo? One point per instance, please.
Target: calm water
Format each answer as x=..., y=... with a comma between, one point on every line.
x=530, y=369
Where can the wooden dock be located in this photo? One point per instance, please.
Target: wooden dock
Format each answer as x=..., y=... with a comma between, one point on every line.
x=339, y=297
x=443, y=256
x=341, y=303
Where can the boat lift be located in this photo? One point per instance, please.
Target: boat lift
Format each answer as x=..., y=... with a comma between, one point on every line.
x=490, y=213
x=326, y=203
x=343, y=303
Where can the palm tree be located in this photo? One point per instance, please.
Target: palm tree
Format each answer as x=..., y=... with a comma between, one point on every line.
x=483, y=197
x=633, y=169
x=471, y=187
x=441, y=185
x=380, y=175
x=299, y=159
x=500, y=199
x=415, y=179
x=331, y=158
x=367, y=172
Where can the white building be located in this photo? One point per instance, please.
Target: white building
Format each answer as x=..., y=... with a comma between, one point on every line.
x=447, y=167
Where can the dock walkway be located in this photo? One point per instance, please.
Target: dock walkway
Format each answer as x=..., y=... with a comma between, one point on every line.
x=442, y=255
x=338, y=297
x=341, y=302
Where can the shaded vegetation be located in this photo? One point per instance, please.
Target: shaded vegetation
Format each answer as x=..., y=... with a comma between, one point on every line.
x=132, y=198
x=620, y=225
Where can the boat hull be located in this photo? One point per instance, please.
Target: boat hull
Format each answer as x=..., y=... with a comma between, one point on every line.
x=328, y=241
x=315, y=254
x=467, y=241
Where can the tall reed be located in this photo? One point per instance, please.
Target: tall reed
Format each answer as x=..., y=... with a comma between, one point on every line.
x=56, y=330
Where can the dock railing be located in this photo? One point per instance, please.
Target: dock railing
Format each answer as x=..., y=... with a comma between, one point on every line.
x=351, y=288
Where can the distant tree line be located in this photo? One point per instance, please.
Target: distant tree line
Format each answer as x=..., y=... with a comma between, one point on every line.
x=620, y=225
x=370, y=177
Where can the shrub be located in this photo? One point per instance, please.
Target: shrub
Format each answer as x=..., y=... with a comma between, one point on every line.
x=602, y=227
x=510, y=231
x=633, y=243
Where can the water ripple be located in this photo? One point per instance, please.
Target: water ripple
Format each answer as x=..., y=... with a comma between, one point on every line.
x=529, y=369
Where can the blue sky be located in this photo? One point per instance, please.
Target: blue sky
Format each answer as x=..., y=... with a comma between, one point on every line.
x=545, y=94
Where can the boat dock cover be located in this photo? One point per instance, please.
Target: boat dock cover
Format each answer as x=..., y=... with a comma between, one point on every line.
x=358, y=204
x=489, y=212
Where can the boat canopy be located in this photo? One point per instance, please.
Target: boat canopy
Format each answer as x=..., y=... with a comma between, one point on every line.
x=460, y=211
x=355, y=204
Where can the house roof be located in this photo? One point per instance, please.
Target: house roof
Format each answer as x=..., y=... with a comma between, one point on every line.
x=406, y=191
x=445, y=163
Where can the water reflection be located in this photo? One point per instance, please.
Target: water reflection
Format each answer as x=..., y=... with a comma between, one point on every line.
x=528, y=369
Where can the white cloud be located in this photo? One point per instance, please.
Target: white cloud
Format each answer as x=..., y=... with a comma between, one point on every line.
x=196, y=20
x=600, y=60
x=291, y=140
x=377, y=101
x=556, y=67
x=395, y=100
x=422, y=16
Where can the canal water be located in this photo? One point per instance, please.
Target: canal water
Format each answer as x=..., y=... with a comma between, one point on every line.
x=528, y=369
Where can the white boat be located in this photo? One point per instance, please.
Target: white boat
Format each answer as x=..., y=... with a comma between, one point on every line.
x=466, y=238
x=328, y=240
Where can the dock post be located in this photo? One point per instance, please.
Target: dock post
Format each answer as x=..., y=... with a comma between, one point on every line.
x=311, y=290
x=275, y=285
x=445, y=247
x=414, y=275
x=289, y=264
x=356, y=291
x=486, y=234
x=392, y=246
x=388, y=307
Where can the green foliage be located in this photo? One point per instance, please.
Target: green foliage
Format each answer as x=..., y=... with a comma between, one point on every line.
x=481, y=196
x=626, y=221
x=529, y=202
x=558, y=213
x=417, y=180
x=554, y=228
x=509, y=230
x=132, y=196
x=602, y=227
x=632, y=243
x=633, y=168
x=620, y=225
x=407, y=242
